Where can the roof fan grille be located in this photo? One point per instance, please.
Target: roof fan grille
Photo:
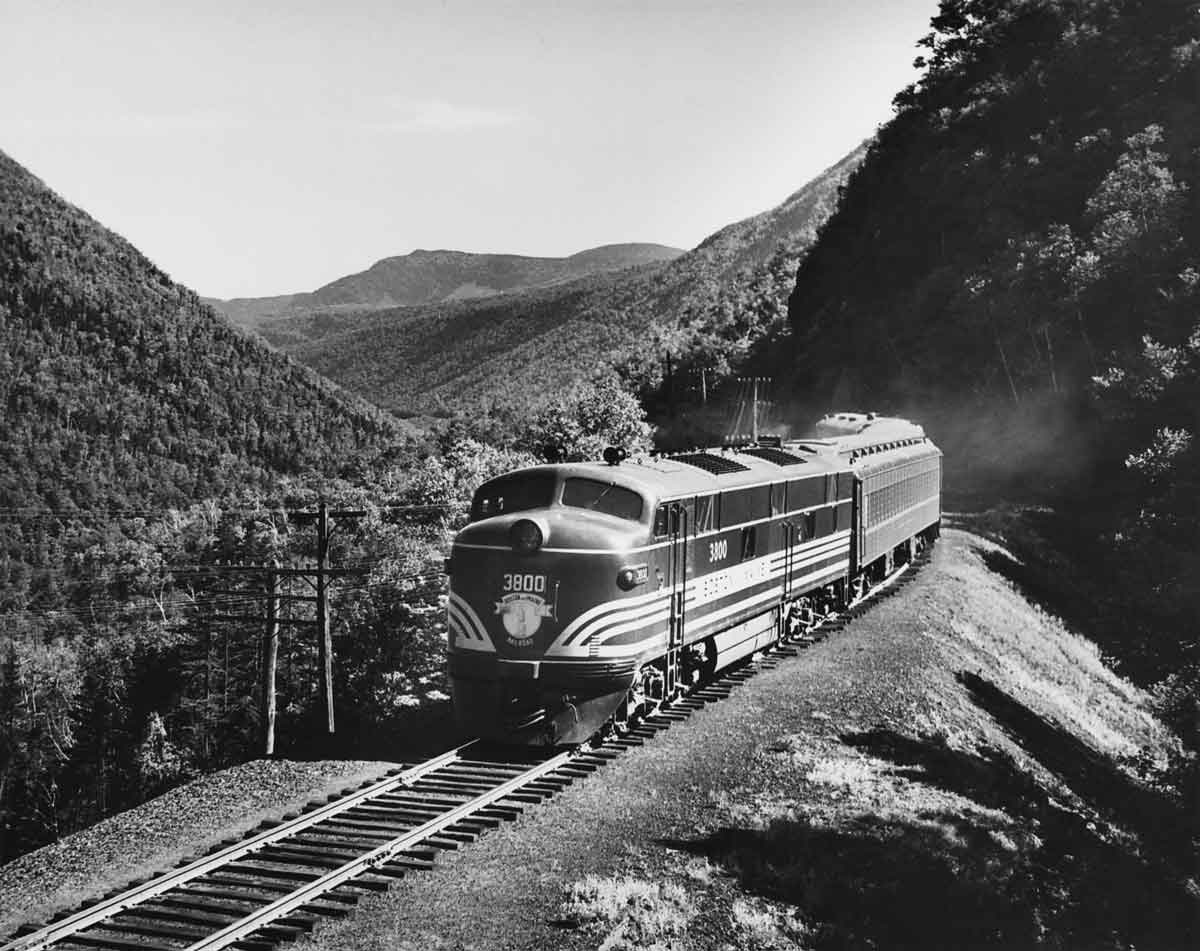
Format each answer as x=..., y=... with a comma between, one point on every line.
x=777, y=456
x=717, y=465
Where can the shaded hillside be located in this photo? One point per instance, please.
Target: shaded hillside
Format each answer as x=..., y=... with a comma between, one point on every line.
x=1031, y=210
x=430, y=277
x=121, y=389
x=704, y=306
x=1017, y=263
x=143, y=442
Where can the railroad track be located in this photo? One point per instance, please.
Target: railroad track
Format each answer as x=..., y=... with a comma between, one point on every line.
x=274, y=885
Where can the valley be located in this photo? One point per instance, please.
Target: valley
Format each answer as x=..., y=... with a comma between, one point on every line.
x=1011, y=260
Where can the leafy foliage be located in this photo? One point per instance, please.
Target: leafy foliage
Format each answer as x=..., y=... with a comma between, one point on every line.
x=582, y=423
x=1015, y=263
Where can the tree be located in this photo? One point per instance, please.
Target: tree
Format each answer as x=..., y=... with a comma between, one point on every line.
x=590, y=417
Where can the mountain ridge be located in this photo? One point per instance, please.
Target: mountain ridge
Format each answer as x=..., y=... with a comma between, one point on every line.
x=535, y=341
x=433, y=276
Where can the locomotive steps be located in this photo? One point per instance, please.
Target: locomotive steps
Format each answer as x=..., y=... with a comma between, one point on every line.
x=874, y=727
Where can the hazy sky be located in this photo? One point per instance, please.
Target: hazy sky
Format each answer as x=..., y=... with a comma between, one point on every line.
x=265, y=147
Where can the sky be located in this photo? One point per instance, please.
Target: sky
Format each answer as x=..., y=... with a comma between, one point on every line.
x=263, y=148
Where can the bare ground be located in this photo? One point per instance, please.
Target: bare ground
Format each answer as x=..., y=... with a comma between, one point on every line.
x=954, y=770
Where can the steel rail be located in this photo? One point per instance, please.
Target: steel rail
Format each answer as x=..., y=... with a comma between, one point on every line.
x=58, y=931
x=379, y=856
x=383, y=854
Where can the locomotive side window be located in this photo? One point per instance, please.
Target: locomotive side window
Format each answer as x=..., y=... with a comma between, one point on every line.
x=735, y=508
x=744, y=505
x=706, y=513
x=803, y=493
x=778, y=498
x=603, y=497
x=749, y=542
x=515, y=493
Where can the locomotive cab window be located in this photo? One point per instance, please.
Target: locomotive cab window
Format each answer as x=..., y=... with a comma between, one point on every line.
x=673, y=517
x=515, y=493
x=662, y=521
x=602, y=497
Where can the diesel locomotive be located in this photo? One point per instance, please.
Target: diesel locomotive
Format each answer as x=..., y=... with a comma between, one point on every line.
x=585, y=594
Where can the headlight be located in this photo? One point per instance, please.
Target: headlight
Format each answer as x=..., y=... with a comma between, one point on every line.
x=525, y=537
x=631, y=576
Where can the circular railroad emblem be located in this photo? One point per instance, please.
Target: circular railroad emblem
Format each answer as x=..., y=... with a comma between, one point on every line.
x=522, y=614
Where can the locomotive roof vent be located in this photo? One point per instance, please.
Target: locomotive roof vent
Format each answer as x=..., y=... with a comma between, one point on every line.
x=717, y=465
x=777, y=456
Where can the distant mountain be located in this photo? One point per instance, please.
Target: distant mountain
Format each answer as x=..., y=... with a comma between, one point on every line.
x=121, y=390
x=430, y=277
x=523, y=346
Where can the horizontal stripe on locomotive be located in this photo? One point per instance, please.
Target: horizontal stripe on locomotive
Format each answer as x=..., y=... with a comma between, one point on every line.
x=705, y=620
x=563, y=673
x=757, y=603
x=739, y=576
x=708, y=589
x=700, y=603
x=666, y=543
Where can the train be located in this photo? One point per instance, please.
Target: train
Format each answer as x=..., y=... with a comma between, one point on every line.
x=585, y=595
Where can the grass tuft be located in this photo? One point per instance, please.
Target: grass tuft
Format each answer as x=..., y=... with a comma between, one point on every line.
x=633, y=912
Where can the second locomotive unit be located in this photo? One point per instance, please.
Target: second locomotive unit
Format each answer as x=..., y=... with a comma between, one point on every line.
x=582, y=594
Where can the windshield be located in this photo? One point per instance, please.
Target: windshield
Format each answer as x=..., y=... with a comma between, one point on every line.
x=514, y=493
x=602, y=497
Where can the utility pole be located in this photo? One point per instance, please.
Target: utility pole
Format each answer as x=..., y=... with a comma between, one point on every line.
x=670, y=388
x=270, y=659
x=326, y=525
x=319, y=577
x=703, y=386
x=754, y=411
x=325, y=642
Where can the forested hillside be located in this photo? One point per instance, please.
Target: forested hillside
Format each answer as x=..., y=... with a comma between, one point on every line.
x=431, y=277
x=139, y=430
x=122, y=390
x=1017, y=263
x=704, y=308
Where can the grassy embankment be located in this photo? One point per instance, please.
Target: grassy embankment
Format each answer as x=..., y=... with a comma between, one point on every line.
x=1019, y=810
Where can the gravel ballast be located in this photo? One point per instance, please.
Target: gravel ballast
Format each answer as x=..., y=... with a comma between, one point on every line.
x=159, y=834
